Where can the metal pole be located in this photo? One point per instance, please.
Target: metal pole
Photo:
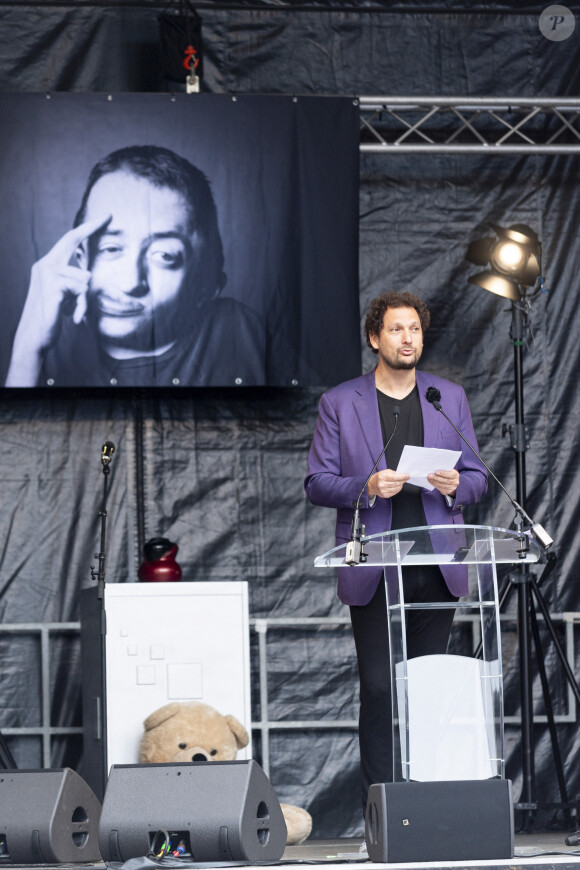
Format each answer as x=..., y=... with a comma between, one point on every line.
x=528, y=797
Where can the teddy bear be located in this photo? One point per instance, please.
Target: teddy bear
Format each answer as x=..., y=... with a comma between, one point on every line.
x=193, y=731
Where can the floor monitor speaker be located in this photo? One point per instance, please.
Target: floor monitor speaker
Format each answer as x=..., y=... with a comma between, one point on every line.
x=465, y=820
x=47, y=817
x=205, y=811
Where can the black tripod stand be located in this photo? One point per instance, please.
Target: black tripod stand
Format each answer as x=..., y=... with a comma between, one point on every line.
x=529, y=595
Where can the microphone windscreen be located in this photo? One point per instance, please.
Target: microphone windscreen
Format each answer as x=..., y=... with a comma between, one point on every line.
x=433, y=395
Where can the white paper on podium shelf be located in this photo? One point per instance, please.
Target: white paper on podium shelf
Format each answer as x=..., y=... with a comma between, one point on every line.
x=451, y=727
x=421, y=461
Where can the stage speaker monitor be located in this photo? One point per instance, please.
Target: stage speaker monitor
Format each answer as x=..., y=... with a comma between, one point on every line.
x=440, y=821
x=205, y=811
x=47, y=817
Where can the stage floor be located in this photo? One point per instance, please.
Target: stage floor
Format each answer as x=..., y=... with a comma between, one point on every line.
x=532, y=850
x=542, y=849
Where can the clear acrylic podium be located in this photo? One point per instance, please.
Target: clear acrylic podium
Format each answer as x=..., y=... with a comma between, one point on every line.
x=447, y=709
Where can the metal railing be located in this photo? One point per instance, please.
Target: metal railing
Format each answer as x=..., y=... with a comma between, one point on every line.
x=46, y=632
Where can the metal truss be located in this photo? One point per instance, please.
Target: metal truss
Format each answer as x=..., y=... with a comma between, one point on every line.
x=470, y=125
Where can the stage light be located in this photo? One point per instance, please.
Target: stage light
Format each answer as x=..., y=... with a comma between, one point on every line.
x=509, y=256
x=514, y=258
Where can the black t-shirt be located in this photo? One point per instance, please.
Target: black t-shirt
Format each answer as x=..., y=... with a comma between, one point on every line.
x=225, y=347
x=407, y=504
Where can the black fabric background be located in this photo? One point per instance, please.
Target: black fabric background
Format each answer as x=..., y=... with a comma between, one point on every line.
x=223, y=471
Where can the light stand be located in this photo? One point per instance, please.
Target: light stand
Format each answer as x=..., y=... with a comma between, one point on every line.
x=528, y=594
x=526, y=269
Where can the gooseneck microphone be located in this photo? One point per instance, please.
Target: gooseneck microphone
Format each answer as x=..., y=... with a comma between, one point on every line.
x=354, y=553
x=433, y=396
x=107, y=451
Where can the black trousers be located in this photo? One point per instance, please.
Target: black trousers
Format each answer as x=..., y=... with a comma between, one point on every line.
x=427, y=633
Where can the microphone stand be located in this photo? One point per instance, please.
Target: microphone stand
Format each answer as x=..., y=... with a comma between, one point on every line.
x=521, y=516
x=6, y=759
x=355, y=553
x=99, y=575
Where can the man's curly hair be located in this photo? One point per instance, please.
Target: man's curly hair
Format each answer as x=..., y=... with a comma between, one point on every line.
x=392, y=299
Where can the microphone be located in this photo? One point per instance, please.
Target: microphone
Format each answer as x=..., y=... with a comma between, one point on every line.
x=107, y=451
x=354, y=553
x=433, y=396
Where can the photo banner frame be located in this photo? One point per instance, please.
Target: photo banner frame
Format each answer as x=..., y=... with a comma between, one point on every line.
x=274, y=302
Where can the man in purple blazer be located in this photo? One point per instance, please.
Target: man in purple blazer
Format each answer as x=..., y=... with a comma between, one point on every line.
x=355, y=421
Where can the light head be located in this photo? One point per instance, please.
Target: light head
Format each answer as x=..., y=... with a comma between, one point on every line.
x=514, y=258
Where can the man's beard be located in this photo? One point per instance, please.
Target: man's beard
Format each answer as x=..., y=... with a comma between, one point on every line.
x=399, y=363
x=404, y=364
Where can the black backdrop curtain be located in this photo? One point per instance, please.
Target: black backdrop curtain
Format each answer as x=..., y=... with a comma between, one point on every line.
x=223, y=471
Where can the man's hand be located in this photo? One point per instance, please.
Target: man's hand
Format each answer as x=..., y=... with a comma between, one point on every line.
x=445, y=481
x=386, y=484
x=53, y=281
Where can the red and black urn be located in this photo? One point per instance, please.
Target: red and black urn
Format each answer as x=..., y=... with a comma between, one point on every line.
x=159, y=564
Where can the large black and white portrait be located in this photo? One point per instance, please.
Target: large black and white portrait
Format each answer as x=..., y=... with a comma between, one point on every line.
x=179, y=240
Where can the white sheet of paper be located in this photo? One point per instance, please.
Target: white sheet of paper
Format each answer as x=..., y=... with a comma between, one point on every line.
x=421, y=461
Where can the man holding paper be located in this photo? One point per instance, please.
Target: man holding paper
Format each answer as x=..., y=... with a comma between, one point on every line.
x=355, y=421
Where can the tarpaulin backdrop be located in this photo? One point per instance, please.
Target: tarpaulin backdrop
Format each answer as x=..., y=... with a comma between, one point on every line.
x=223, y=469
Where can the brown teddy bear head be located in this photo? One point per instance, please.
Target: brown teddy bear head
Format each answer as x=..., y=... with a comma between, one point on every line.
x=191, y=731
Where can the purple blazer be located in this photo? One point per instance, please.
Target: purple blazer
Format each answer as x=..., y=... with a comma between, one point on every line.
x=347, y=440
